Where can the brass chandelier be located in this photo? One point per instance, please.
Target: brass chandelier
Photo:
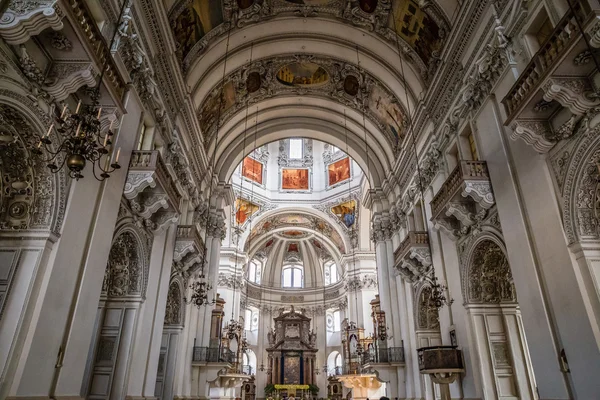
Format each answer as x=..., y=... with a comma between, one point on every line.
x=200, y=291
x=74, y=139
x=79, y=140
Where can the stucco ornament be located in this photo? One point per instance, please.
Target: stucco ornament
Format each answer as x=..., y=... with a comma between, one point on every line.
x=173, y=310
x=125, y=274
x=427, y=313
x=30, y=197
x=489, y=278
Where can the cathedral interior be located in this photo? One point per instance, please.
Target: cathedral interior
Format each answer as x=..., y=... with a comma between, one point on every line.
x=299, y=199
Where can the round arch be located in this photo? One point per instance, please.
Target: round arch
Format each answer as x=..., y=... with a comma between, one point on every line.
x=580, y=190
x=426, y=315
x=485, y=272
x=313, y=118
x=175, y=307
x=312, y=36
x=40, y=203
x=126, y=272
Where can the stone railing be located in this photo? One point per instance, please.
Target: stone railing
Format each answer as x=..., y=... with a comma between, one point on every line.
x=466, y=170
x=413, y=239
x=151, y=160
x=545, y=61
x=190, y=232
x=97, y=45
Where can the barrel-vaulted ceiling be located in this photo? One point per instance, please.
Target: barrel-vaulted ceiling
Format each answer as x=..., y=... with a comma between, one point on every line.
x=322, y=69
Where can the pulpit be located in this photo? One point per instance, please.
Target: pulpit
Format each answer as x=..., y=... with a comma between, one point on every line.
x=292, y=350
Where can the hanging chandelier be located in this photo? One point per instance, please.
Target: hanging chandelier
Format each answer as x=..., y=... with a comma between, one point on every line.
x=199, y=297
x=438, y=297
x=74, y=139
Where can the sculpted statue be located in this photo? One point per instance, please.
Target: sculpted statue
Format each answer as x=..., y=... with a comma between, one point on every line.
x=271, y=337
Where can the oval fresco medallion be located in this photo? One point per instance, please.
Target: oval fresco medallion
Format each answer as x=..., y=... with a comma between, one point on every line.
x=368, y=6
x=302, y=74
x=351, y=85
x=253, y=82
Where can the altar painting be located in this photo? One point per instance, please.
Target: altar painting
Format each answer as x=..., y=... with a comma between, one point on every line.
x=294, y=179
x=252, y=170
x=291, y=369
x=244, y=210
x=197, y=19
x=339, y=171
x=346, y=212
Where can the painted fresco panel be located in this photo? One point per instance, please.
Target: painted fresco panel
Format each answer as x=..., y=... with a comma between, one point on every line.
x=197, y=19
x=414, y=26
x=384, y=106
x=244, y=210
x=252, y=170
x=294, y=179
x=346, y=212
x=339, y=171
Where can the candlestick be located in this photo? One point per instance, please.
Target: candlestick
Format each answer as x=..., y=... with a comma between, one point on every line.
x=49, y=130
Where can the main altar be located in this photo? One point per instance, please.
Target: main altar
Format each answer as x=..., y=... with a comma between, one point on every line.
x=292, y=351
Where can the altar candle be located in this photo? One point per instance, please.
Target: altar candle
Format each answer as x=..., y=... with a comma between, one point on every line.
x=105, y=139
x=78, y=128
x=64, y=110
x=99, y=112
x=78, y=105
x=117, y=158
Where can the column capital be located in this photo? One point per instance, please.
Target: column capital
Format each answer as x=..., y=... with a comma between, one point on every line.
x=381, y=227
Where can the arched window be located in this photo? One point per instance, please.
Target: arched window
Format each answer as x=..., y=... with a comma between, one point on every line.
x=338, y=360
x=331, y=273
x=251, y=316
x=296, y=149
x=333, y=321
x=292, y=276
x=254, y=271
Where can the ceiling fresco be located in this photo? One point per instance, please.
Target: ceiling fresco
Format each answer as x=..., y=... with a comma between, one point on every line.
x=421, y=27
x=294, y=221
x=337, y=80
x=302, y=74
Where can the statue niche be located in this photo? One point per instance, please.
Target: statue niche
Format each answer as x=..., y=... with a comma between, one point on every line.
x=292, y=350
